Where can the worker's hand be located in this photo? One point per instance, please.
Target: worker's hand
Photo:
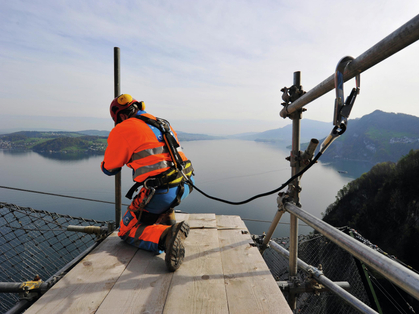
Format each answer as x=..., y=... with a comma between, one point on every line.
x=109, y=172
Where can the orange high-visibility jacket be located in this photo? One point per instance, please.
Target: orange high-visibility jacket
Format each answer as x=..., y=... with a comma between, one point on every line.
x=139, y=146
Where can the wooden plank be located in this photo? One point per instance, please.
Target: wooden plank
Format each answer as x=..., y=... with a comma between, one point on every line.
x=142, y=288
x=230, y=222
x=197, y=221
x=249, y=284
x=181, y=217
x=198, y=285
x=85, y=287
x=117, y=277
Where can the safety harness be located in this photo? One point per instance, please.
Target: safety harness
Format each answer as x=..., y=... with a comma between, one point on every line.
x=172, y=177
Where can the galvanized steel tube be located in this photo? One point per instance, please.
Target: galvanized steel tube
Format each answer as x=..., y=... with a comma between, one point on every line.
x=272, y=228
x=295, y=187
x=393, y=271
x=396, y=41
x=117, y=92
x=321, y=278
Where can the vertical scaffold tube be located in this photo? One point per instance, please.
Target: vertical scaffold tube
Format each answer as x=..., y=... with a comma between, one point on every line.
x=295, y=164
x=117, y=92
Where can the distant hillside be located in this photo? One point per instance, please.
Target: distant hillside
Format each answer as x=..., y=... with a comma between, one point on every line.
x=309, y=129
x=90, y=141
x=91, y=144
x=94, y=133
x=376, y=137
x=182, y=136
x=383, y=206
x=53, y=142
x=22, y=135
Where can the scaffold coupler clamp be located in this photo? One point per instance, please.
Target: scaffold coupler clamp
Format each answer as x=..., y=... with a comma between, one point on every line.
x=283, y=197
x=258, y=240
x=30, y=289
x=291, y=94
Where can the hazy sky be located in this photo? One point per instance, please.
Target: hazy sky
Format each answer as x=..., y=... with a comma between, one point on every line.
x=193, y=62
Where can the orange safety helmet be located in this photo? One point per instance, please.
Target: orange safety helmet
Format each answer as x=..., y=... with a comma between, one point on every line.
x=123, y=102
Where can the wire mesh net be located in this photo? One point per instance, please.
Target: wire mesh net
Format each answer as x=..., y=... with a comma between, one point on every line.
x=337, y=265
x=35, y=242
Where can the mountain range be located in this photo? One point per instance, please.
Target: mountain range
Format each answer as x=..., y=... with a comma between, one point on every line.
x=377, y=137
x=308, y=129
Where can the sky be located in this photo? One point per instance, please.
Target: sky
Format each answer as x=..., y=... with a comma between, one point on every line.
x=214, y=67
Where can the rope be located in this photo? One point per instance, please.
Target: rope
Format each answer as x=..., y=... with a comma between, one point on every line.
x=94, y=200
x=258, y=195
x=60, y=195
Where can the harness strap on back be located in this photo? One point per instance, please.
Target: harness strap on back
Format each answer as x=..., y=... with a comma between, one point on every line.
x=170, y=141
x=173, y=176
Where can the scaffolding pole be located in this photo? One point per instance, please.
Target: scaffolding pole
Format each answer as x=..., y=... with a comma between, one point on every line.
x=117, y=92
x=294, y=188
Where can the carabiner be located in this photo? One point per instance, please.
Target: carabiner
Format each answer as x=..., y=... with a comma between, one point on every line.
x=150, y=194
x=343, y=108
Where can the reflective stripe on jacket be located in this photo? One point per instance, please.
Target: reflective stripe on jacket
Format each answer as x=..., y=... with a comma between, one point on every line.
x=139, y=146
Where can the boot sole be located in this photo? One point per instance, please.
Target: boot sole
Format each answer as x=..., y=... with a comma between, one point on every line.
x=175, y=253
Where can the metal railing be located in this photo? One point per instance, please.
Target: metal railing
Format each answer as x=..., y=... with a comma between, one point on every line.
x=401, y=276
x=393, y=43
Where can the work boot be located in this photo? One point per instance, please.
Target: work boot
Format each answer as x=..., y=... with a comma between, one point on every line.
x=168, y=218
x=173, y=238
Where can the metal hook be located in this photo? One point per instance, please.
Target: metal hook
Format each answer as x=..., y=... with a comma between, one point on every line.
x=343, y=108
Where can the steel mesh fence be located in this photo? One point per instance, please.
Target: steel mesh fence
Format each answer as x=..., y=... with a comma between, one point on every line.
x=337, y=265
x=35, y=242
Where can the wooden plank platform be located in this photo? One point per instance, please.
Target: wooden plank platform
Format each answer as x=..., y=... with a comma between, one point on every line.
x=221, y=273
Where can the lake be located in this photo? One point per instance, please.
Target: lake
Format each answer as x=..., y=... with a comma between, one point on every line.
x=230, y=169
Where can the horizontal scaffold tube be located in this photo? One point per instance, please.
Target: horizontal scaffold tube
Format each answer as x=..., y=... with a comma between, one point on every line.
x=393, y=271
x=325, y=281
x=396, y=41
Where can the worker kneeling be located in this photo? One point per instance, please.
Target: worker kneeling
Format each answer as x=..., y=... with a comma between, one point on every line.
x=149, y=146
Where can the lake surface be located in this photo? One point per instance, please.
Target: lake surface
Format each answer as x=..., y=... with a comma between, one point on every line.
x=230, y=169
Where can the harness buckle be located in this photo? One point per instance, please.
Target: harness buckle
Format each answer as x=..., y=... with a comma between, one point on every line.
x=343, y=108
x=145, y=184
x=150, y=196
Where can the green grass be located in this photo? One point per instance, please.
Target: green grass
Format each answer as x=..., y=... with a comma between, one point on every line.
x=384, y=135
